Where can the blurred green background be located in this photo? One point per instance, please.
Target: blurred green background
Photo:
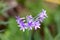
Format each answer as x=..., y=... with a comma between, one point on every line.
x=9, y=30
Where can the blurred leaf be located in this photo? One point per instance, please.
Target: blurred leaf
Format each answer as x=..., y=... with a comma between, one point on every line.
x=34, y=6
x=13, y=32
x=57, y=37
x=4, y=23
x=37, y=36
x=3, y=8
x=27, y=35
x=57, y=20
x=47, y=34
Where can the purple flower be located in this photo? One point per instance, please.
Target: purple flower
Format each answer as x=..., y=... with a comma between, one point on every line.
x=29, y=21
x=29, y=18
x=42, y=15
x=36, y=24
x=21, y=23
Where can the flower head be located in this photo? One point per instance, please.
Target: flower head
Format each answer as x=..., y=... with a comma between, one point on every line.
x=31, y=22
x=42, y=15
x=21, y=24
x=36, y=24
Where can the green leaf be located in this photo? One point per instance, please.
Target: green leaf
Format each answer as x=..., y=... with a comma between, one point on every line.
x=13, y=32
x=57, y=37
x=57, y=20
x=47, y=34
x=37, y=36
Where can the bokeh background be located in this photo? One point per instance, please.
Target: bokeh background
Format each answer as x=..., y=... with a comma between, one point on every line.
x=50, y=28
